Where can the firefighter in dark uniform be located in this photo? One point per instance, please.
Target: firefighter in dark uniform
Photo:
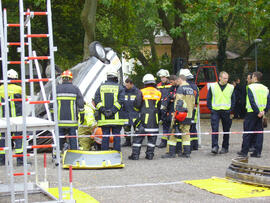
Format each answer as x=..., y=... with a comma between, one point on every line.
x=183, y=105
x=70, y=106
x=15, y=110
x=221, y=101
x=164, y=88
x=193, y=137
x=109, y=100
x=257, y=104
x=147, y=103
x=167, y=105
x=131, y=92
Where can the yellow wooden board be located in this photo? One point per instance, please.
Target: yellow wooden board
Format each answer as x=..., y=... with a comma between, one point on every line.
x=230, y=188
x=79, y=196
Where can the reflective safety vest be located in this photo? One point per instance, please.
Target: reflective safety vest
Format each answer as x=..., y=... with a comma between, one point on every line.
x=221, y=100
x=260, y=93
x=109, y=99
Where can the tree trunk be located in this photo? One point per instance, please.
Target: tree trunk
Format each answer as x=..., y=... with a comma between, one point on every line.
x=88, y=19
x=222, y=44
x=180, y=47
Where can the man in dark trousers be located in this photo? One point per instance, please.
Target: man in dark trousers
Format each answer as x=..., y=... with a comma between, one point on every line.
x=70, y=108
x=221, y=101
x=239, y=91
x=131, y=92
x=147, y=103
x=109, y=100
x=257, y=104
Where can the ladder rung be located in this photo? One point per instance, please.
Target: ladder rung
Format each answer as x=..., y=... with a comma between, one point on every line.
x=17, y=62
x=13, y=25
x=37, y=35
x=40, y=146
x=16, y=43
x=19, y=137
x=3, y=148
x=28, y=80
x=21, y=155
x=21, y=174
x=36, y=13
x=37, y=57
x=40, y=102
x=19, y=200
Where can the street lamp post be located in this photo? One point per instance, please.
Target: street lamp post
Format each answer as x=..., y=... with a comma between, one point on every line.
x=256, y=61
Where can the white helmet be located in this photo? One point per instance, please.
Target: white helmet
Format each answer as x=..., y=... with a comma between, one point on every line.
x=186, y=72
x=148, y=79
x=112, y=72
x=12, y=74
x=163, y=73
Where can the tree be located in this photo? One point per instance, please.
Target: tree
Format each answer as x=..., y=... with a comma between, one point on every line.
x=170, y=13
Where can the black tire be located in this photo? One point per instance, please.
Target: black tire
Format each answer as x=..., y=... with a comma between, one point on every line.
x=97, y=50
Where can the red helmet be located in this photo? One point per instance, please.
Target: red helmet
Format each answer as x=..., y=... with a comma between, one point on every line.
x=180, y=116
x=67, y=74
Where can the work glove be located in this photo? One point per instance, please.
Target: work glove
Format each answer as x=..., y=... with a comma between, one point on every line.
x=108, y=113
x=81, y=118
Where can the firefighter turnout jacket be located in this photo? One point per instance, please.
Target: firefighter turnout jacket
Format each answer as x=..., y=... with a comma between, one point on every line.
x=110, y=97
x=130, y=114
x=186, y=94
x=69, y=103
x=164, y=88
x=15, y=107
x=147, y=103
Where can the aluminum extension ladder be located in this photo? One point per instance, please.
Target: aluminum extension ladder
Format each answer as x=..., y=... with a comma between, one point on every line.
x=25, y=21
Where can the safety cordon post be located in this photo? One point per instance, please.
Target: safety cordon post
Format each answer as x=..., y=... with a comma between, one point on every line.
x=70, y=182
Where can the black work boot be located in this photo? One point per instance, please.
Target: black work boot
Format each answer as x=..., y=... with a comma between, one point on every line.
x=162, y=144
x=135, y=153
x=186, y=152
x=171, y=154
x=194, y=145
x=149, y=156
x=133, y=157
x=2, y=159
x=179, y=148
x=127, y=142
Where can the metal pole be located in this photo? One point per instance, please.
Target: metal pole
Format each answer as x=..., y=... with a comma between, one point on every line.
x=56, y=130
x=22, y=50
x=8, y=131
x=256, y=63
